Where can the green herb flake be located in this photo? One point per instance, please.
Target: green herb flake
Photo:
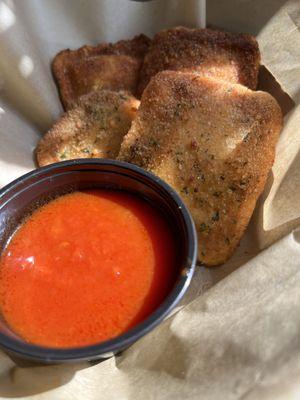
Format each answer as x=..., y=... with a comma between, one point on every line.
x=243, y=183
x=185, y=190
x=177, y=110
x=203, y=227
x=215, y=216
x=153, y=142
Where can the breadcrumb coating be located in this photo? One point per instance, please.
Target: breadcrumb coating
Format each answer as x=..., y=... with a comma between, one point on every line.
x=214, y=142
x=94, y=128
x=228, y=56
x=113, y=66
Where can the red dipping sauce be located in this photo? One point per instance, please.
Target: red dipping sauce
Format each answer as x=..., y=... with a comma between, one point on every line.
x=85, y=268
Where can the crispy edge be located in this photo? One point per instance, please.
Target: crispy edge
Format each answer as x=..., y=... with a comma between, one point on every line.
x=136, y=48
x=74, y=118
x=260, y=158
x=120, y=75
x=166, y=42
x=259, y=154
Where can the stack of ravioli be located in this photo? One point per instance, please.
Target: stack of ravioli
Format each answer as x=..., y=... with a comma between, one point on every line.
x=184, y=106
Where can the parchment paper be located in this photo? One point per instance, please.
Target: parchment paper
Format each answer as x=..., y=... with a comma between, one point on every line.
x=241, y=338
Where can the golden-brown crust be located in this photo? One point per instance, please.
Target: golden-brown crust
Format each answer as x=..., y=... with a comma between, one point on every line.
x=214, y=142
x=108, y=66
x=94, y=128
x=229, y=56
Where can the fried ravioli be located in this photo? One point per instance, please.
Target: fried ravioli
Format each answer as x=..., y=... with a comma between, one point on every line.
x=229, y=56
x=94, y=128
x=106, y=66
x=214, y=142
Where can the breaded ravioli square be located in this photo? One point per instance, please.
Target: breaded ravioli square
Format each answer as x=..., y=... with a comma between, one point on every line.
x=106, y=66
x=94, y=128
x=229, y=56
x=214, y=142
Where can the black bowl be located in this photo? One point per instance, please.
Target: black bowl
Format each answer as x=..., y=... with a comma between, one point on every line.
x=25, y=194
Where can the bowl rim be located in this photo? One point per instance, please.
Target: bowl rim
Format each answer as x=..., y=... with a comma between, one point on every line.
x=109, y=347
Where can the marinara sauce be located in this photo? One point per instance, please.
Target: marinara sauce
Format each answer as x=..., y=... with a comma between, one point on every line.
x=85, y=268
